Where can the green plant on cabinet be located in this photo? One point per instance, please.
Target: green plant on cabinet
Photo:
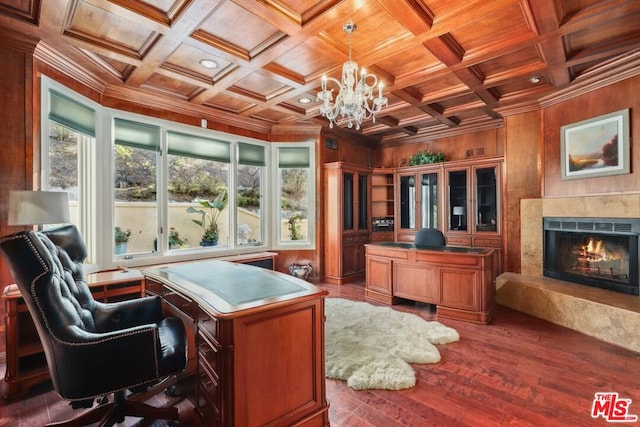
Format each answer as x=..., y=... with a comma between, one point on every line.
x=426, y=157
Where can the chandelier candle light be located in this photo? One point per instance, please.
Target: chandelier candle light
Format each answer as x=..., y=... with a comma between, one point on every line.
x=355, y=101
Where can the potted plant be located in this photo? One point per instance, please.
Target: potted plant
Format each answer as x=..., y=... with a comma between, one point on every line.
x=121, y=237
x=426, y=157
x=209, y=218
x=175, y=241
x=293, y=225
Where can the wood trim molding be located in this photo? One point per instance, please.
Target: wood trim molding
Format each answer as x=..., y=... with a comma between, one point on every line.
x=616, y=70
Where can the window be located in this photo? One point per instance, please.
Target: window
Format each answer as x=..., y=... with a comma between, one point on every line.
x=249, y=194
x=197, y=191
x=69, y=146
x=152, y=184
x=296, y=195
x=135, y=153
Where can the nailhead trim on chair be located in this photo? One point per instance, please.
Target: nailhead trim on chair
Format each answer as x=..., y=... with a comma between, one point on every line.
x=33, y=294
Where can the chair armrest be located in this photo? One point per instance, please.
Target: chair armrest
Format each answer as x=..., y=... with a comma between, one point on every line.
x=126, y=314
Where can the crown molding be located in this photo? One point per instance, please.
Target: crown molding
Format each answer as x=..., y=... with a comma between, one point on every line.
x=617, y=69
x=52, y=57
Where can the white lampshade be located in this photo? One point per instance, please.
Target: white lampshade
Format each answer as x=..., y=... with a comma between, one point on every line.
x=38, y=207
x=458, y=210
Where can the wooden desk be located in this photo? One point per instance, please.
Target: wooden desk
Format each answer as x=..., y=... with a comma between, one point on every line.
x=459, y=281
x=26, y=363
x=255, y=339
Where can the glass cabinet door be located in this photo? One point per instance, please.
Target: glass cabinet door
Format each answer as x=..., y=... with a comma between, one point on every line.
x=429, y=197
x=347, y=201
x=486, y=201
x=363, y=202
x=458, y=200
x=407, y=202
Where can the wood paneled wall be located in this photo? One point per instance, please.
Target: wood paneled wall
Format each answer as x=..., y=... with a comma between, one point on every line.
x=486, y=143
x=522, y=177
x=16, y=132
x=618, y=96
x=16, y=135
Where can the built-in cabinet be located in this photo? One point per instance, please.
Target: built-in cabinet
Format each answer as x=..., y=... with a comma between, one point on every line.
x=473, y=208
x=461, y=198
x=382, y=205
x=418, y=200
x=347, y=190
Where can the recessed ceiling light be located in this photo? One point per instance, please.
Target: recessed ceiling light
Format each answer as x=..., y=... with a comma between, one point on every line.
x=535, y=79
x=208, y=63
x=304, y=100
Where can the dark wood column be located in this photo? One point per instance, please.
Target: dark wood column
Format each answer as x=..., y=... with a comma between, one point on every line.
x=16, y=132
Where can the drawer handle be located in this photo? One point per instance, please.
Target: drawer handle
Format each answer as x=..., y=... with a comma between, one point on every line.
x=205, y=380
x=205, y=350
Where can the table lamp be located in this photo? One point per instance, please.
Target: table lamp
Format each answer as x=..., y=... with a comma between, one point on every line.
x=459, y=212
x=38, y=207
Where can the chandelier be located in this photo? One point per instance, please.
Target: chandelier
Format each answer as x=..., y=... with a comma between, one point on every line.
x=355, y=101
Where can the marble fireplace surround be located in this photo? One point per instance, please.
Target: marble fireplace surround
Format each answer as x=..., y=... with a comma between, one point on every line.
x=607, y=315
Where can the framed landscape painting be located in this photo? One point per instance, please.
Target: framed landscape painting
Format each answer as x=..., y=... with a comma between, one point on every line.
x=596, y=147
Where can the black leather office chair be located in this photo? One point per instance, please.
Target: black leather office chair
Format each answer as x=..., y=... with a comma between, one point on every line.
x=429, y=237
x=92, y=348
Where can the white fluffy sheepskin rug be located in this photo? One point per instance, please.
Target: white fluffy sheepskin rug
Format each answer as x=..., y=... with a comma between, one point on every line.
x=371, y=347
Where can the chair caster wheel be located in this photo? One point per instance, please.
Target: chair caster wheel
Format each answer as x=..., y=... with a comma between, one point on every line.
x=172, y=392
x=102, y=400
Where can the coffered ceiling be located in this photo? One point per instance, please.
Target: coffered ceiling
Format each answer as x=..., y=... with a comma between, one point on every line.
x=447, y=65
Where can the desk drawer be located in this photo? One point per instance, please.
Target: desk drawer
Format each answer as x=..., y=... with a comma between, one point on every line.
x=152, y=287
x=183, y=304
x=208, y=325
x=208, y=388
x=453, y=240
x=491, y=242
x=208, y=353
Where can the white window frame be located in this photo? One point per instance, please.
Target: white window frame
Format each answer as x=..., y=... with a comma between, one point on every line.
x=310, y=242
x=97, y=196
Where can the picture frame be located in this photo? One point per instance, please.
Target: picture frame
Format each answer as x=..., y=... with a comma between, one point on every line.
x=596, y=147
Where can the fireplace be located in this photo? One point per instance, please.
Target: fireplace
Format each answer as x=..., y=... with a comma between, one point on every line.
x=598, y=252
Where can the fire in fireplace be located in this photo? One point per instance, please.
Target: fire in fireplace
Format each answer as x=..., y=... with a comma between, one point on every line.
x=598, y=252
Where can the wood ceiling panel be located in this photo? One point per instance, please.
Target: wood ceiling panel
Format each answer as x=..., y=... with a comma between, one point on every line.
x=375, y=30
x=571, y=7
x=444, y=85
x=304, y=61
x=444, y=63
x=521, y=64
x=259, y=87
x=504, y=28
x=409, y=64
x=162, y=11
x=186, y=59
x=237, y=31
x=271, y=115
x=94, y=25
x=232, y=104
x=23, y=10
x=301, y=12
x=608, y=32
x=175, y=87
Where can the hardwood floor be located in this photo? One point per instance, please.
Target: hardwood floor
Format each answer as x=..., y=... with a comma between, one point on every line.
x=517, y=371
